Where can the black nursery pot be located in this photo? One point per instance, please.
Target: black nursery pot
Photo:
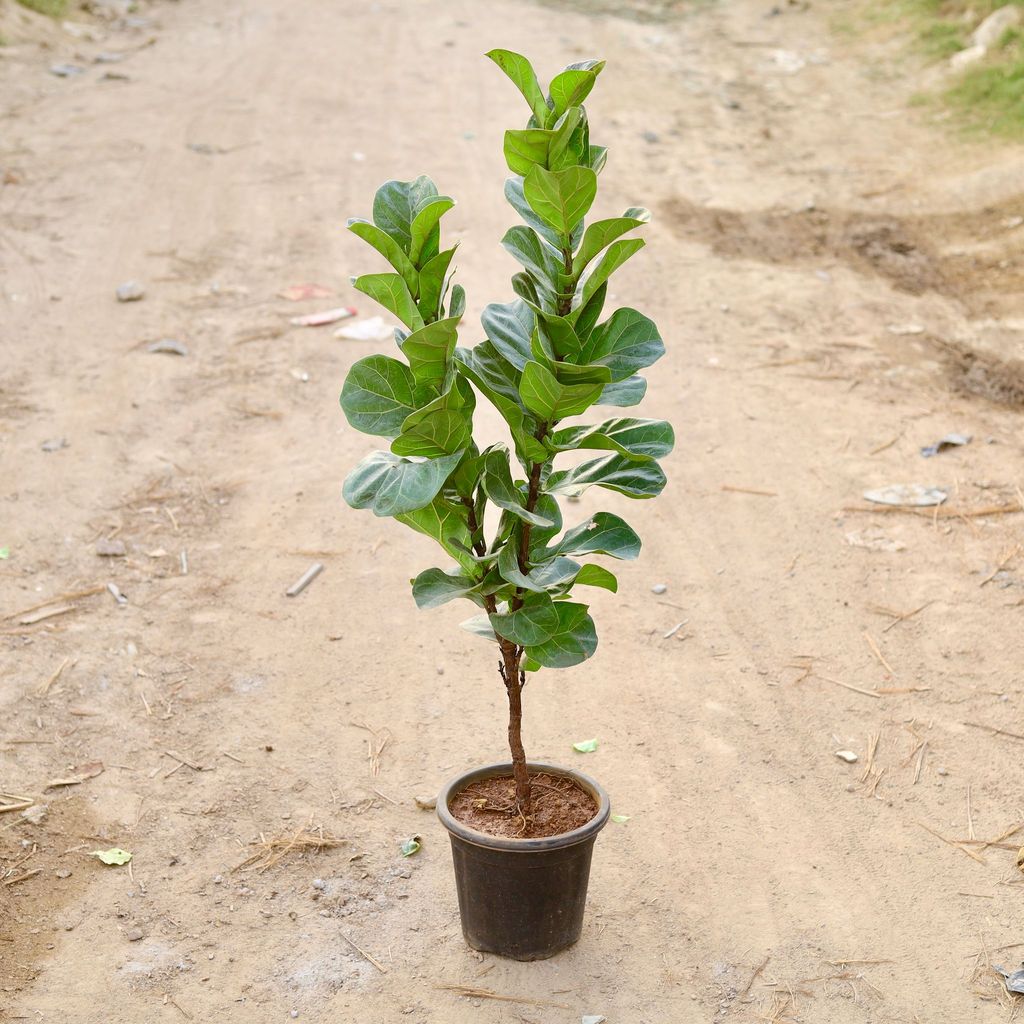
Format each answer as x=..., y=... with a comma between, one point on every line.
x=522, y=898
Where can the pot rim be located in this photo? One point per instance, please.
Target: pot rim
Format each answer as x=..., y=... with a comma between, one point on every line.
x=584, y=833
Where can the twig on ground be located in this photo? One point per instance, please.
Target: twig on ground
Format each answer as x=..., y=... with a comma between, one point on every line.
x=272, y=851
x=996, y=732
x=485, y=993
x=1003, y=562
x=750, y=490
x=878, y=654
x=848, y=686
x=956, y=846
x=362, y=952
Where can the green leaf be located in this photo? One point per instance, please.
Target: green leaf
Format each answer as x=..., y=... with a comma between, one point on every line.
x=509, y=327
x=620, y=819
x=585, y=317
x=626, y=392
x=429, y=351
x=522, y=75
x=393, y=294
x=443, y=521
x=434, y=587
x=574, y=641
x=425, y=229
x=431, y=283
x=441, y=427
x=544, y=575
x=560, y=336
x=626, y=342
x=457, y=305
x=571, y=87
x=499, y=487
x=602, y=534
x=545, y=396
x=515, y=195
x=591, y=575
x=534, y=623
x=597, y=158
x=585, y=746
x=388, y=248
x=547, y=505
x=570, y=140
x=113, y=856
x=537, y=256
x=395, y=206
x=560, y=198
x=479, y=625
x=570, y=373
x=389, y=485
x=409, y=846
x=5, y=553
x=615, y=472
x=614, y=256
x=526, y=147
x=602, y=233
x=379, y=394
x=634, y=438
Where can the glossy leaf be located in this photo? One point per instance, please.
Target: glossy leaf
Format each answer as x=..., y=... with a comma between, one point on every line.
x=522, y=75
x=441, y=427
x=526, y=147
x=602, y=534
x=547, y=574
x=498, y=484
x=537, y=256
x=626, y=342
x=445, y=522
x=434, y=587
x=574, y=641
x=550, y=400
x=389, y=485
x=626, y=392
x=393, y=294
x=560, y=199
x=388, y=248
x=380, y=393
x=516, y=196
x=457, y=305
x=591, y=575
x=534, y=623
x=570, y=140
x=480, y=625
x=424, y=227
x=431, y=283
x=634, y=438
x=430, y=349
x=614, y=256
x=395, y=206
x=585, y=746
x=602, y=233
x=572, y=86
x=615, y=472
x=509, y=327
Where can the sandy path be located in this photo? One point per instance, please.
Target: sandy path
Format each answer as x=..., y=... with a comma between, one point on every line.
x=795, y=219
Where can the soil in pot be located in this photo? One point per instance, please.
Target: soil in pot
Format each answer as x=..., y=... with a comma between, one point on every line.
x=489, y=805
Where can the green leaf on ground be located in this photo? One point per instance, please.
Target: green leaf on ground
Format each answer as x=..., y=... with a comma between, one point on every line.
x=113, y=856
x=585, y=746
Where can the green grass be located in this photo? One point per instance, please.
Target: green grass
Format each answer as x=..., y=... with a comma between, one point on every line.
x=990, y=95
x=51, y=8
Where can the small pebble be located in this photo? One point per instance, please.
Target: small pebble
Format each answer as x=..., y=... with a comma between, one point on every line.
x=294, y=1014
x=133, y=934
x=218, y=879
x=659, y=588
x=110, y=548
x=130, y=291
x=62, y=873
x=426, y=803
x=168, y=346
x=943, y=771
x=846, y=755
x=319, y=883
x=55, y=445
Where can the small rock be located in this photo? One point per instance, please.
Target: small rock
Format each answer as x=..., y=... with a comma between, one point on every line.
x=943, y=771
x=34, y=814
x=847, y=755
x=55, y=445
x=651, y=137
x=319, y=883
x=65, y=70
x=111, y=548
x=659, y=588
x=905, y=328
x=130, y=291
x=108, y=57
x=426, y=803
x=62, y=873
x=293, y=1014
x=964, y=58
x=133, y=934
x=991, y=30
x=218, y=879
x=168, y=346
x=1012, y=222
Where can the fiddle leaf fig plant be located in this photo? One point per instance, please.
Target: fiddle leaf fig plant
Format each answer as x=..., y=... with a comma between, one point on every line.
x=546, y=357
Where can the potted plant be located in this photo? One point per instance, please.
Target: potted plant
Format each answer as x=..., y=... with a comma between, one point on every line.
x=522, y=832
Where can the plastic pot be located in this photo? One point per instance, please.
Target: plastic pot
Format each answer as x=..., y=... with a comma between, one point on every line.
x=522, y=898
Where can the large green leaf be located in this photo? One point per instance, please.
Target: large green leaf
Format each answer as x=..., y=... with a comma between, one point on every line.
x=509, y=327
x=591, y=575
x=457, y=305
x=521, y=72
x=602, y=233
x=626, y=392
x=572, y=86
x=446, y=522
x=429, y=350
x=479, y=625
x=634, y=438
x=614, y=256
x=574, y=641
x=560, y=198
x=626, y=342
x=431, y=284
x=515, y=195
x=602, y=534
x=594, y=373
x=388, y=248
x=441, y=427
x=585, y=317
x=547, y=505
x=537, y=256
x=551, y=573
x=526, y=147
x=559, y=335
x=389, y=485
x=570, y=140
x=534, y=623
x=548, y=399
x=395, y=206
x=380, y=393
x=500, y=488
x=424, y=229
x=616, y=472
x=393, y=294
x=434, y=587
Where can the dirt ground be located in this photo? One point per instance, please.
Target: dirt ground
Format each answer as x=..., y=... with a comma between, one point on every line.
x=838, y=279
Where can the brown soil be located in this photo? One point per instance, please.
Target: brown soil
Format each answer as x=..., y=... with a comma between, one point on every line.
x=489, y=805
